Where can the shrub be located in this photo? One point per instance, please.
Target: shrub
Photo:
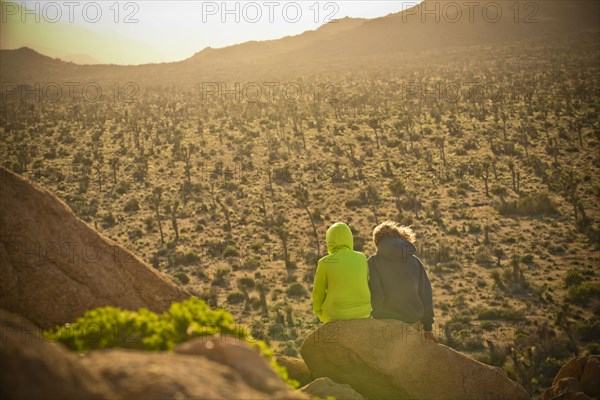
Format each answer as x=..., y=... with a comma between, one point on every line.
x=220, y=276
x=589, y=330
x=131, y=205
x=484, y=258
x=509, y=314
x=186, y=259
x=252, y=262
x=135, y=234
x=573, y=278
x=123, y=187
x=182, y=277
x=352, y=203
x=230, y=251
x=499, y=190
x=584, y=293
x=108, y=221
x=527, y=259
x=296, y=290
x=530, y=205
x=109, y=327
x=235, y=298
x=246, y=283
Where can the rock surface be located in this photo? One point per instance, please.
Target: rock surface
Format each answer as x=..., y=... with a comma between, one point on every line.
x=164, y=375
x=388, y=359
x=232, y=352
x=577, y=379
x=54, y=266
x=35, y=368
x=296, y=368
x=324, y=387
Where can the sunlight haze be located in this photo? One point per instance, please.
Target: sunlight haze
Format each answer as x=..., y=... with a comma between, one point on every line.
x=163, y=31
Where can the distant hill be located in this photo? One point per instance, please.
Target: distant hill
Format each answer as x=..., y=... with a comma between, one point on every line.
x=412, y=30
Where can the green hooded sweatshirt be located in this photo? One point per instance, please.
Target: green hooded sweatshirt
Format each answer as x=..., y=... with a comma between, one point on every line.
x=341, y=288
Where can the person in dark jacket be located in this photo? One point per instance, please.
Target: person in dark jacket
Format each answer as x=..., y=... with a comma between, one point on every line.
x=400, y=288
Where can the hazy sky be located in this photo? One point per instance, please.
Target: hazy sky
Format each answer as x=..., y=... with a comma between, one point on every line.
x=134, y=32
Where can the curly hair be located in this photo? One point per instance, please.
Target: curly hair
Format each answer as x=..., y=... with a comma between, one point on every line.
x=393, y=229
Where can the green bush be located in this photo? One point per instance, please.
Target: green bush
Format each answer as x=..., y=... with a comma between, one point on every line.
x=573, y=278
x=353, y=203
x=589, y=330
x=186, y=259
x=530, y=205
x=509, y=314
x=246, y=283
x=235, y=298
x=108, y=221
x=252, y=262
x=132, y=205
x=182, y=277
x=230, y=251
x=584, y=293
x=296, y=290
x=108, y=327
x=527, y=259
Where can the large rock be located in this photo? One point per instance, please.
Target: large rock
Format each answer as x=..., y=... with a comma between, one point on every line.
x=296, y=369
x=33, y=368
x=577, y=379
x=54, y=266
x=167, y=375
x=388, y=359
x=233, y=352
x=325, y=387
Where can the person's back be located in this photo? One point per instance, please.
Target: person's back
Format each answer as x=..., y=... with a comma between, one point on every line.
x=399, y=284
x=341, y=287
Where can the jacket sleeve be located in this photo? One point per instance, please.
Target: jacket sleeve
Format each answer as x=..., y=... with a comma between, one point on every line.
x=319, y=291
x=376, y=290
x=426, y=296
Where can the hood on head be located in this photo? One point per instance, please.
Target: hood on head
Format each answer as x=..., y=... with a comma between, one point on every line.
x=339, y=236
x=395, y=248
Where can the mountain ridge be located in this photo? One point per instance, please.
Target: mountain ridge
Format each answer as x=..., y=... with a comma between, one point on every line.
x=409, y=31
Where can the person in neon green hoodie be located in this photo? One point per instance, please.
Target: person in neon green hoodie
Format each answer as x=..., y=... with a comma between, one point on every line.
x=341, y=287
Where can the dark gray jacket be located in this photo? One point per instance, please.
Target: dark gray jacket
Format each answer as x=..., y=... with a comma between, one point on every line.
x=400, y=288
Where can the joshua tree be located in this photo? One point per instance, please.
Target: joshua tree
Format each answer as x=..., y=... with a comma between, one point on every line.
x=302, y=197
x=498, y=253
x=486, y=176
x=114, y=165
x=516, y=176
x=518, y=280
x=225, y=213
x=440, y=143
x=23, y=157
x=570, y=184
x=155, y=200
x=188, y=151
x=371, y=197
x=262, y=292
x=284, y=235
x=289, y=318
x=414, y=203
x=172, y=211
x=504, y=117
x=374, y=123
x=263, y=209
x=397, y=188
x=212, y=195
x=98, y=167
